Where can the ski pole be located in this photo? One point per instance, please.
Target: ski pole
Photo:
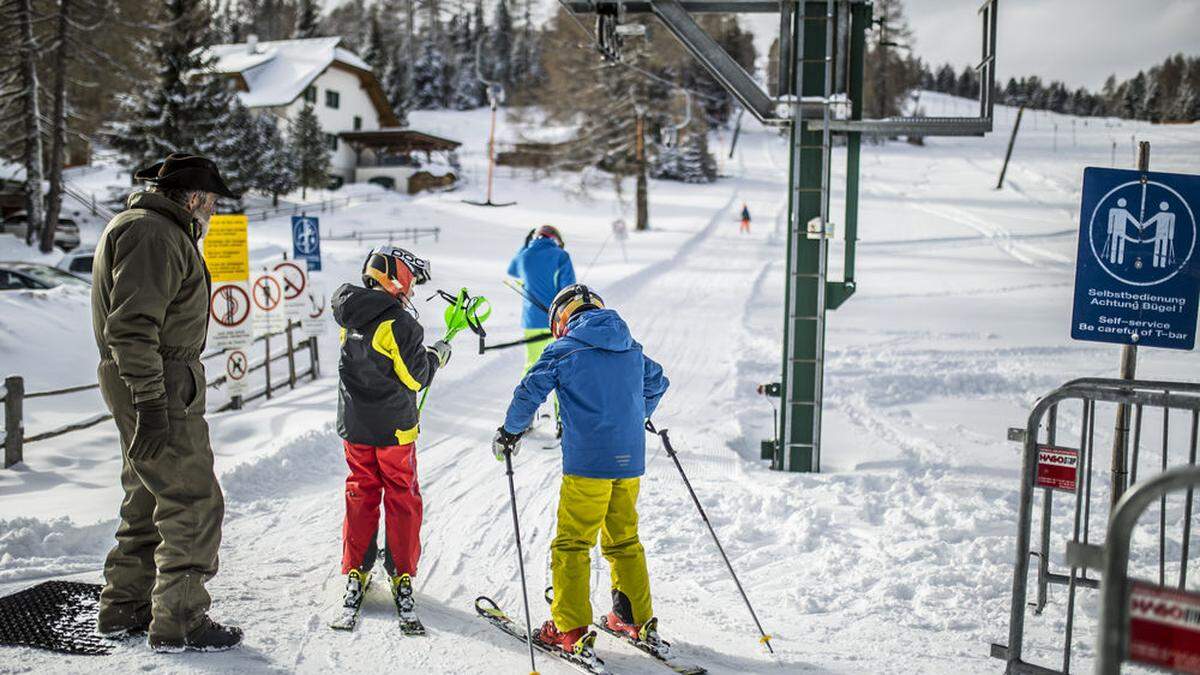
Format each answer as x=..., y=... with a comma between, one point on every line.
x=525, y=294
x=512, y=495
x=765, y=639
x=538, y=337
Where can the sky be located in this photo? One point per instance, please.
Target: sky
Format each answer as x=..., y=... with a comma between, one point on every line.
x=1079, y=42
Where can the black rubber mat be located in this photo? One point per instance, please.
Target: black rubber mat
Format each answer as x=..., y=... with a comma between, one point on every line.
x=56, y=615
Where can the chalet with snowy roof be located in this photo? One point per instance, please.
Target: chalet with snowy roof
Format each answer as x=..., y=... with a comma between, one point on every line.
x=366, y=142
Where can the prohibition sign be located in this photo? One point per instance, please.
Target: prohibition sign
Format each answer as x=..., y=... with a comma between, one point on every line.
x=267, y=293
x=316, y=307
x=294, y=280
x=234, y=305
x=235, y=365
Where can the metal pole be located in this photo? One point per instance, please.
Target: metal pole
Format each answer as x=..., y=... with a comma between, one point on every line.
x=491, y=144
x=666, y=441
x=512, y=495
x=1119, y=468
x=14, y=428
x=1011, y=141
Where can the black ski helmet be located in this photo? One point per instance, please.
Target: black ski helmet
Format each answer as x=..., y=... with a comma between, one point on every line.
x=395, y=270
x=572, y=299
x=545, y=232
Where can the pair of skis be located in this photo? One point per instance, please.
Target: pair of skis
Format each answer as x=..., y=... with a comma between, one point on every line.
x=410, y=623
x=587, y=661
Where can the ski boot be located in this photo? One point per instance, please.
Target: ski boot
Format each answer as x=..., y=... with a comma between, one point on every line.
x=579, y=642
x=357, y=582
x=356, y=587
x=208, y=636
x=406, y=605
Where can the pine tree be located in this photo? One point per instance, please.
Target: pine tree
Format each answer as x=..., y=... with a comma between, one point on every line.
x=279, y=164
x=1133, y=98
x=1187, y=104
x=395, y=85
x=375, y=52
x=1153, y=100
x=501, y=46
x=243, y=166
x=468, y=91
x=429, y=78
x=311, y=150
x=946, y=79
x=696, y=163
x=185, y=107
x=308, y=20
x=668, y=163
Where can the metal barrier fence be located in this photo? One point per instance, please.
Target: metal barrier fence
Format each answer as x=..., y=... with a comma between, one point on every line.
x=409, y=234
x=15, y=395
x=314, y=207
x=1143, y=621
x=1048, y=468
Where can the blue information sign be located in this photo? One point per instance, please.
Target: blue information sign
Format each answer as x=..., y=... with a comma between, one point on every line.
x=306, y=241
x=1137, y=273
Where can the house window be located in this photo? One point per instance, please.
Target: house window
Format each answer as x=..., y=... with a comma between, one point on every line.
x=331, y=99
x=357, y=123
x=332, y=141
x=310, y=95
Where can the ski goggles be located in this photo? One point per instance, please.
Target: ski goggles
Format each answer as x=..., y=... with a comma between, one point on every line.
x=421, y=269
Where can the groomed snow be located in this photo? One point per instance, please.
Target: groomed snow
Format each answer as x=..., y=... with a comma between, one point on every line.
x=897, y=558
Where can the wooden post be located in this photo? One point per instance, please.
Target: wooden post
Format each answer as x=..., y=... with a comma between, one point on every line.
x=1011, y=141
x=14, y=428
x=314, y=357
x=291, y=354
x=1120, y=446
x=267, y=362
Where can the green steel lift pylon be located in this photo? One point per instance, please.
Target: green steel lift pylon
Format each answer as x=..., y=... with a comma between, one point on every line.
x=822, y=45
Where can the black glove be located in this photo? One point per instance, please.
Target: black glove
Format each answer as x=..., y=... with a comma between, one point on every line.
x=505, y=442
x=153, y=429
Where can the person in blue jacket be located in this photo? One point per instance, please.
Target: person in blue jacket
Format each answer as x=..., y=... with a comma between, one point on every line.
x=607, y=389
x=543, y=268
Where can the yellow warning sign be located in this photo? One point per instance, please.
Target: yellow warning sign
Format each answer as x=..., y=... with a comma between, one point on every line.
x=226, y=251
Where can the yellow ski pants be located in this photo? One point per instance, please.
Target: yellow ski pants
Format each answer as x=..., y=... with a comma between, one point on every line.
x=588, y=506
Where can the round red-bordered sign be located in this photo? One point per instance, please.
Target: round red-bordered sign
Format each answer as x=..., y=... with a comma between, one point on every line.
x=237, y=365
x=267, y=293
x=295, y=280
x=234, y=305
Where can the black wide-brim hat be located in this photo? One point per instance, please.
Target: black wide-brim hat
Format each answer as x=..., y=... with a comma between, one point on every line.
x=187, y=172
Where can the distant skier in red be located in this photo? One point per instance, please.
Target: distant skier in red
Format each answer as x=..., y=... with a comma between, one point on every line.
x=745, y=219
x=383, y=364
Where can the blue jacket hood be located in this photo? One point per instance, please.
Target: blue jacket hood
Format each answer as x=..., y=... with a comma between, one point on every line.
x=602, y=328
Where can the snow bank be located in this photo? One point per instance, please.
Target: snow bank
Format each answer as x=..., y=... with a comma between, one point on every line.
x=13, y=249
x=33, y=548
x=307, y=460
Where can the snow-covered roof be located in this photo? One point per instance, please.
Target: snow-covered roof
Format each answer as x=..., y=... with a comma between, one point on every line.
x=277, y=72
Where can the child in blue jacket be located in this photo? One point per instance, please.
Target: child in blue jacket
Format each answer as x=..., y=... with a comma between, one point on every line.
x=607, y=388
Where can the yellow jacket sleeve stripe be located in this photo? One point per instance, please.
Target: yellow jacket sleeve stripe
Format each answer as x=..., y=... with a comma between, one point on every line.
x=384, y=342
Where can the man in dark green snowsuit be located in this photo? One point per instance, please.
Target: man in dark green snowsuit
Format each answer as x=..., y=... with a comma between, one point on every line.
x=150, y=297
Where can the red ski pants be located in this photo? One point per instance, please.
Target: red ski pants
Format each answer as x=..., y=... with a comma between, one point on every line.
x=389, y=473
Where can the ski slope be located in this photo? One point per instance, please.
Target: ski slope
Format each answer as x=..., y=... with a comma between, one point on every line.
x=897, y=558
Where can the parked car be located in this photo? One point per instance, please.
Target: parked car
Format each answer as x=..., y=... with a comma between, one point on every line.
x=23, y=276
x=78, y=262
x=66, y=235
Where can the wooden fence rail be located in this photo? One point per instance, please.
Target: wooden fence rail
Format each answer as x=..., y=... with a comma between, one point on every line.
x=15, y=396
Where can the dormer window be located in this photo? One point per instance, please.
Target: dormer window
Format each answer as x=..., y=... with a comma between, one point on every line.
x=332, y=99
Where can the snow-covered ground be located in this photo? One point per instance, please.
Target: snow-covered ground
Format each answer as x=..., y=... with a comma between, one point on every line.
x=897, y=558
